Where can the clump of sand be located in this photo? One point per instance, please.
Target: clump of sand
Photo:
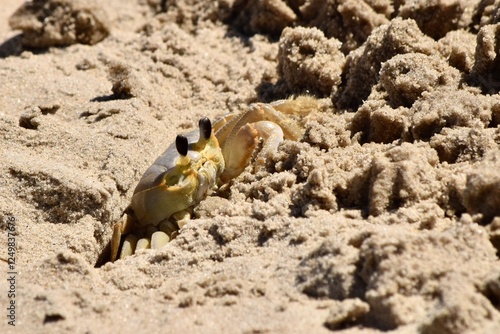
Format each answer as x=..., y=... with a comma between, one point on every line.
x=60, y=22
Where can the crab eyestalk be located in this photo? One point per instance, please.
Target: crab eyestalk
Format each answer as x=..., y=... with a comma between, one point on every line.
x=182, y=146
x=205, y=132
x=205, y=128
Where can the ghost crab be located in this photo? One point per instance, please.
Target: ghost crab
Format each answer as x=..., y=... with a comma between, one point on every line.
x=196, y=163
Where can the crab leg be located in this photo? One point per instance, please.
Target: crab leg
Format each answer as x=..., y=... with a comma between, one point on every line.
x=302, y=105
x=122, y=227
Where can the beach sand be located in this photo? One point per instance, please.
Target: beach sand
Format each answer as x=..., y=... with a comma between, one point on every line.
x=385, y=216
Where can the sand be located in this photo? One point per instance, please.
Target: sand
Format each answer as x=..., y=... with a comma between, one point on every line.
x=385, y=216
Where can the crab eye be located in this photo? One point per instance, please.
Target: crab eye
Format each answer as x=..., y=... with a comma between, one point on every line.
x=181, y=143
x=205, y=128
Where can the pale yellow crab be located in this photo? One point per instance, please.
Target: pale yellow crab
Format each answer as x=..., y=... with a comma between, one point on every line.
x=195, y=164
